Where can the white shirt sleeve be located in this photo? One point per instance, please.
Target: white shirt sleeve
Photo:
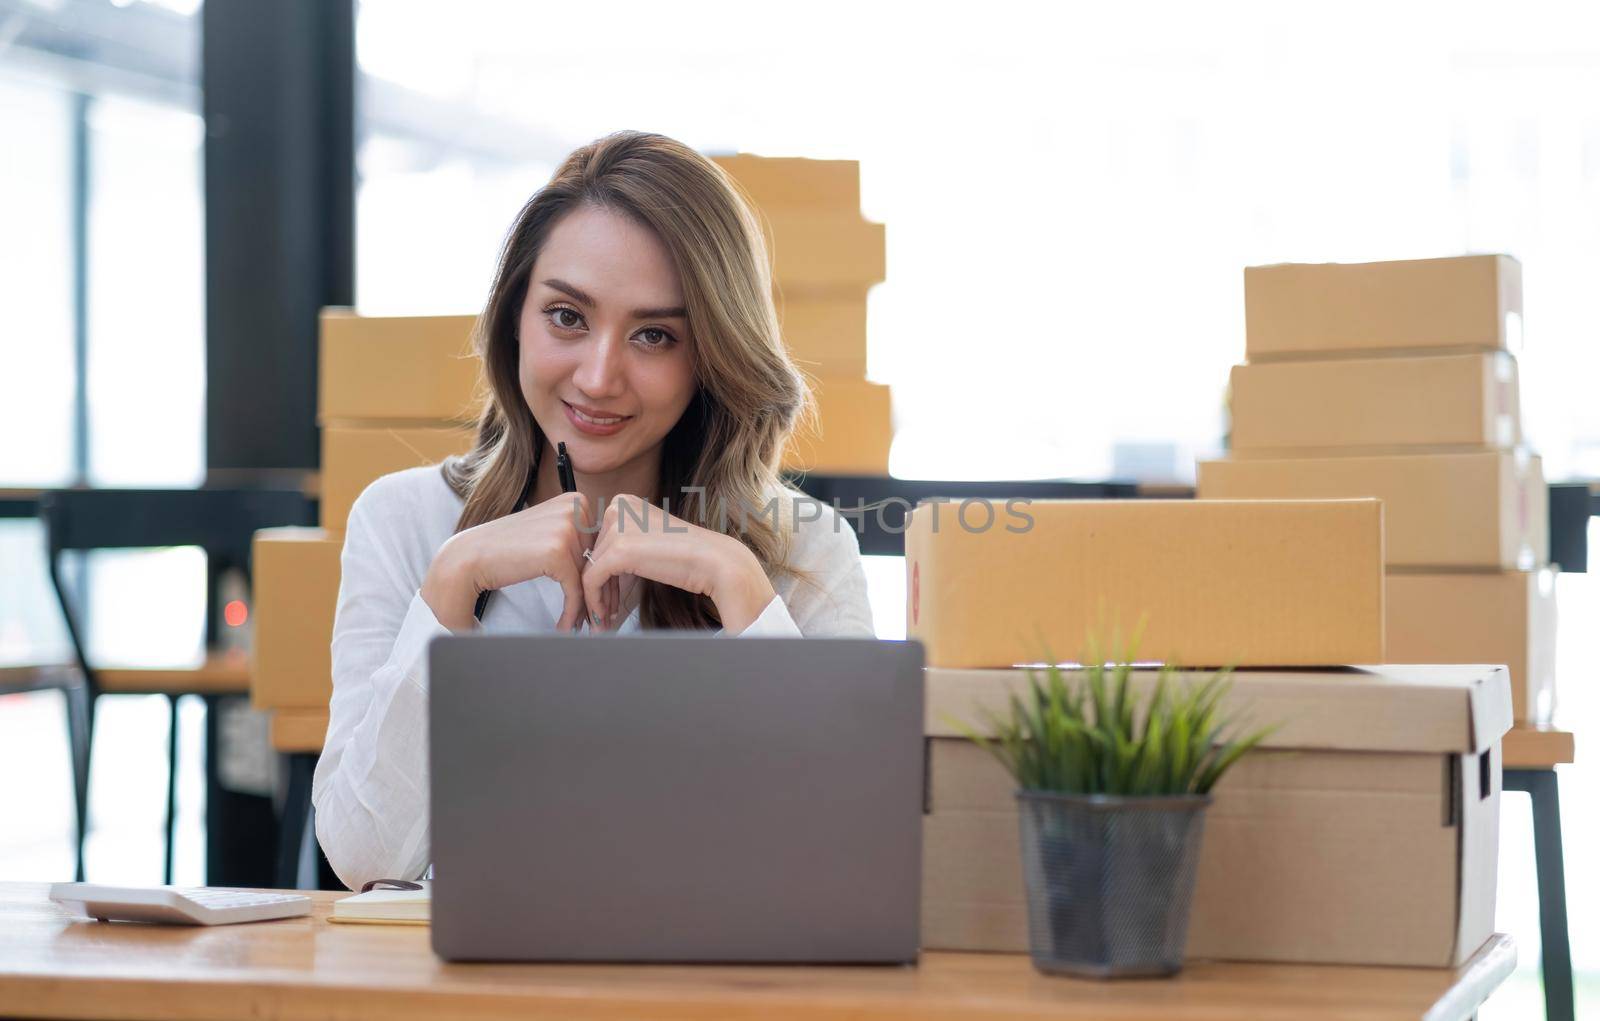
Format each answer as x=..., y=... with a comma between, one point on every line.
x=370, y=788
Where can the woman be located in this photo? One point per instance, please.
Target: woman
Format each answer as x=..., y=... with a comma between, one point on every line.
x=631, y=318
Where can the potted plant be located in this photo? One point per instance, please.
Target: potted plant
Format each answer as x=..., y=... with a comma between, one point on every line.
x=1111, y=798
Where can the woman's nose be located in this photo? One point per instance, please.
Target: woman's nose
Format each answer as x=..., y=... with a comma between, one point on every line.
x=600, y=372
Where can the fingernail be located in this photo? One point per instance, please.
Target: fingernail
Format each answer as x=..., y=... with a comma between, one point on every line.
x=595, y=619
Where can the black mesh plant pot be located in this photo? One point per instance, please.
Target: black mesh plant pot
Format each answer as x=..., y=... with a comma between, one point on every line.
x=1109, y=880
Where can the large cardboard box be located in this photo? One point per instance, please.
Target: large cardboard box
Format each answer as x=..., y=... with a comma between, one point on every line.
x=817, y=252
x=406, y=368
x=1498, y=617
x=354, y=457
x=1250, y=583
x=827, y=334
x=772, y=182
x=1487, y=509
x=1364, y=831
x=1376, y=403
x=1297, y=310
x=295, y=576
x=851, y=435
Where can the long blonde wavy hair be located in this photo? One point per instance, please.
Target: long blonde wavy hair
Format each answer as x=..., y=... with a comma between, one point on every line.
x=749, y=398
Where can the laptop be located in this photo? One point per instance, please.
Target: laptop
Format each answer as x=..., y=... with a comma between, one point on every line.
x=675, y=797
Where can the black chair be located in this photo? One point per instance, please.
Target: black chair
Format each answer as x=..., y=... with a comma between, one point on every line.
x=219, y=521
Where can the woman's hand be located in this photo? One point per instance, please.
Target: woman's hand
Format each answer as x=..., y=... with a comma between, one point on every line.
x=640, y=540
x=546, y=540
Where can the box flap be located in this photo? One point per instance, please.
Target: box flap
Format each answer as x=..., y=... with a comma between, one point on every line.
x=1377, y=708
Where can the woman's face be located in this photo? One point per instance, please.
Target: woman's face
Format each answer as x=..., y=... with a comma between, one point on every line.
x=604, y=341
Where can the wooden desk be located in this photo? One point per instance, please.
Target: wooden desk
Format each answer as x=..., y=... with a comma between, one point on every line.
x=58, y=967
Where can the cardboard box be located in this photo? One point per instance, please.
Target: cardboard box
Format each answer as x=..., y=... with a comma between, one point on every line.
x=1486, y=510
x=1364, y=831
x=1501, y=617
x=770, y=182
x=852, y=433
x=295, y=575
x=1298, y=310
x=1376, y=403
x=1251, y=583
x=406, y=368
x=823, y=253
x=827, y=334
x=354, y=457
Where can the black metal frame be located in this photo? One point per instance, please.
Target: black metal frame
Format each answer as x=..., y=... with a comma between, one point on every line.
x=221, y=522
x=1555, y=956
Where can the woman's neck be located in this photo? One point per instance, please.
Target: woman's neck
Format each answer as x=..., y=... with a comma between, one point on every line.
x=639, y=477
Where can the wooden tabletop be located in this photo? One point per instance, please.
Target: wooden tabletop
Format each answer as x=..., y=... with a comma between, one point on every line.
x=1536, y=747
x=54, y=966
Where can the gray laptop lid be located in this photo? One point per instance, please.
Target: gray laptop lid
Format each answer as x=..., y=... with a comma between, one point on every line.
x=673, y=797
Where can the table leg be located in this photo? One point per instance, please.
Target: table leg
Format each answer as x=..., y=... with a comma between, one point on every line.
x=1555, y=949
x=296, y=814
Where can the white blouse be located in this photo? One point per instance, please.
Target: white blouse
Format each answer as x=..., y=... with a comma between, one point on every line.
x=371, y=784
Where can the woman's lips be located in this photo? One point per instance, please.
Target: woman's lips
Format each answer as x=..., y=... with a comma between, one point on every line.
x=591, y=422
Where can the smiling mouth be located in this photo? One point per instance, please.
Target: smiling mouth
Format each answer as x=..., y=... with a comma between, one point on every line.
x=596, y=419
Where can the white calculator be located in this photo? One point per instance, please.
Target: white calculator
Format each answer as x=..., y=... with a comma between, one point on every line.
x=175, y=906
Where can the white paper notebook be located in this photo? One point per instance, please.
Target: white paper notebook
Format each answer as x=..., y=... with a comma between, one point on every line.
x=385, y=907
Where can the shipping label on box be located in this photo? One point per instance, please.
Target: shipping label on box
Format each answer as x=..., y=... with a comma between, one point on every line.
x=1483, y=510
x=1502, y=617
x=295, y=579
x=1377, y=404
x=1334, y=843
x=851, y=435
x=1300, y=310
x=354, y=457
x=1250, y=583
x=406, y=368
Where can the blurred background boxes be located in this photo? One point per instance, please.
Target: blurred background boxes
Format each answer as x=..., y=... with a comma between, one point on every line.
x=354, y=457
x=1452, y=400
x=296, y=588
x=1486, y=509
x=1248, y=583
x=1481, y=617
x=854, y=434
x=825, y=258
x=1334, y=843
x=402, y=368
x=1296, y=310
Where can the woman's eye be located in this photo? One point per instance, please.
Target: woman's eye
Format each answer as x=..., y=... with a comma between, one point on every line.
x=655, y=337
x=559, y=314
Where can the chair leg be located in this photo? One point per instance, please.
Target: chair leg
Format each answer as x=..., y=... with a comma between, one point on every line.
x=80, y=733
x=172, y=785
x=1543, y=790
x=1555, y=949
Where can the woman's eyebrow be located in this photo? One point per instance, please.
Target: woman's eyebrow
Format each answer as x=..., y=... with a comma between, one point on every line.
x=582, y=297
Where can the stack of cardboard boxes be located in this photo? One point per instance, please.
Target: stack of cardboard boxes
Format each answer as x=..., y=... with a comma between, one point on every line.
x=1397, y=380
x=1365, y=828
x=825, y=258
x=393, y=394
